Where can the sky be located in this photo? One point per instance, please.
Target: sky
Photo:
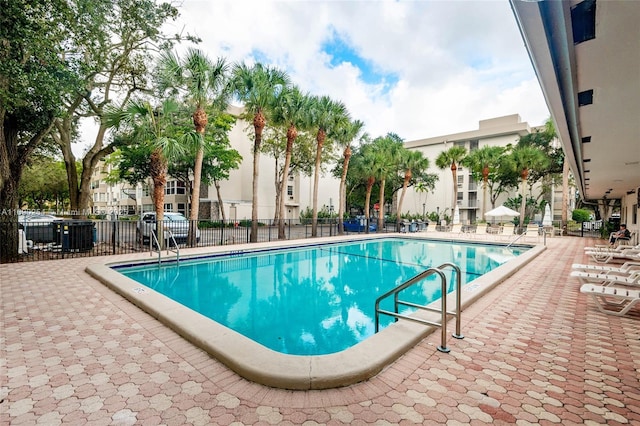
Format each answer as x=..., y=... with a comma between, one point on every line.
x=415, y=68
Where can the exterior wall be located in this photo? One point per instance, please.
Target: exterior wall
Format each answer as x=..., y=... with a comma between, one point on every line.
x=236, y=192
x=499, y=131
x=629, y=213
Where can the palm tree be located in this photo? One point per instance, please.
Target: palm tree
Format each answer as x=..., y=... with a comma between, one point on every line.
x=523, y=159
x=362, y=170
x=387, y=157
x=256, y=86
x=150, y=126
x=483, y=162
x=411, y=162
x=201, y=82
x=326, y=115
x=450, y=158
x=345, y=134
x=290, y=109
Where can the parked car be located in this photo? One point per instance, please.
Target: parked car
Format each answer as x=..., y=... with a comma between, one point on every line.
x=358, y=225
x=177, y=223
x=38, y=227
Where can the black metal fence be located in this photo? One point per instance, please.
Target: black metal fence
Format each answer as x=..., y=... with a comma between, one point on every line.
x=69, y=238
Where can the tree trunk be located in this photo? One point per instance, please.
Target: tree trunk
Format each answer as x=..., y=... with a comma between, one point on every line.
x=195, y=197
x=80, y=193
x=405, y=183
x=292, y=133
x=565, y=193
x=454, y=173
x=258, y=125
x=343, y=190
x=316, y=180
x=523, y=203
x=14, y=153
x=381, y=206
x=367, y=202
x=220, y=202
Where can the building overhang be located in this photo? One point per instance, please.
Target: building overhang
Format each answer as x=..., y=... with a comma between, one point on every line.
x=592, y=87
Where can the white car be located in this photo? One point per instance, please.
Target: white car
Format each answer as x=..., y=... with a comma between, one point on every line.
x=177, y=223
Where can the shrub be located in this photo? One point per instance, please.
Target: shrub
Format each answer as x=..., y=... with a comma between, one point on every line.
x=581, y=215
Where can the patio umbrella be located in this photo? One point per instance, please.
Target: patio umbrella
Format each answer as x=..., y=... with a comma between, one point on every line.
x=456, y=215
x=501, y=211
x=546, y=220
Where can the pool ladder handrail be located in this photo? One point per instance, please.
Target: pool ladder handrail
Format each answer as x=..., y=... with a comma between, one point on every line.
x=443, y=310
x=155, y=243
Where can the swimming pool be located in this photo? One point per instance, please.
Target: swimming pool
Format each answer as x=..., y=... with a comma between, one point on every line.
x=313, y=300
x=256, y=362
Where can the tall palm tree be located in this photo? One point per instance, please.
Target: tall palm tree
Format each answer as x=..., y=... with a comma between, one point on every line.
x=523, y=159
x=256, y=87
x=388, y=151
x=362, y=169
x=144, y=124
x=483, y=162
x=412, y=162
x=290, y=109
x=201, y=82
x=326, y=115
x=450, y=158
x=345, y=134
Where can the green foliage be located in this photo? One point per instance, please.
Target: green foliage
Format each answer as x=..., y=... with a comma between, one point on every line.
x=531, y=208
x=44, y=185
x=433, y=216
x=306, y=215
x=581, y=215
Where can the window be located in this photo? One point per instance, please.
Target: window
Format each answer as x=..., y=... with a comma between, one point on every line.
x=174, y=187
x=460, y=197
x=182, y=208
x=168, y=207
x=473, y=144
x=583, y=20
x=290, y=190
x=585, y=98
x=170, y=188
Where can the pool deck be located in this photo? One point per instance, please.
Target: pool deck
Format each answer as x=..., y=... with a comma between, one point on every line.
x=536, y=351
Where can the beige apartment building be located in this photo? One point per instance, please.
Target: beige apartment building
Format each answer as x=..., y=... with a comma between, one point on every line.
x=499, y=131
x=236, y=192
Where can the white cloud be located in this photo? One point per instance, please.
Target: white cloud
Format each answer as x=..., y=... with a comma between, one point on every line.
x=456, y=62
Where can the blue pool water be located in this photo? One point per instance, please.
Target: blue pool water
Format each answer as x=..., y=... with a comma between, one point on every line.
x=314, y=300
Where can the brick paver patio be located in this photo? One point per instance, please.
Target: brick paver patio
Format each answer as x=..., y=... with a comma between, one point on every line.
x=536, y=352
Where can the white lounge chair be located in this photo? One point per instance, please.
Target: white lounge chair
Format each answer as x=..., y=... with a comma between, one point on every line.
x=507, y=231
x=606, y=255
x=609, y=247
x=481, y=230
x=622, y=298
x=608, y=279
x=532, y=232
x=456, y=229
x=599, y=269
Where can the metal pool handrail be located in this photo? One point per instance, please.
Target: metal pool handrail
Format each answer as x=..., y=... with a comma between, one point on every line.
x=443, y=302
x=169, y=236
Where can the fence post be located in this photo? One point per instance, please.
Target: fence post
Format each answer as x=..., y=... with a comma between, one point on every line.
x=113, y=233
